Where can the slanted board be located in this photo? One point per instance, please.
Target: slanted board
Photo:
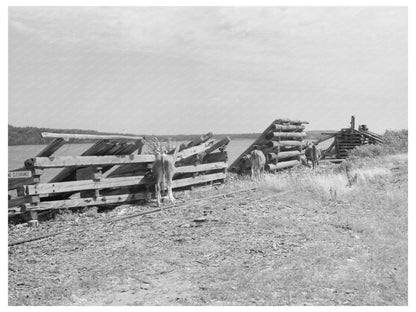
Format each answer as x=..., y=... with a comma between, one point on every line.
x=67, y=136
x=194, y=150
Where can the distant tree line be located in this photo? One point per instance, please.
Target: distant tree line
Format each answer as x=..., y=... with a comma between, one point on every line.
x=32, y=135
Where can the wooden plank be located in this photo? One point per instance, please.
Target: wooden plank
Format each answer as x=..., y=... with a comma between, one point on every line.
x=200, y=168
x=194, y=150
x=282, y=165
x=198, y=141
x=370, y=135
x=198, y=179
x=278, y=135
x=80, y=136
x=85, y=202
x=283, y=143
x=78, y=161
x=213, y=147
x=83, y=185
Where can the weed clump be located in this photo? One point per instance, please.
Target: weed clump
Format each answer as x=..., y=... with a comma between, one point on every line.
x=395, y=141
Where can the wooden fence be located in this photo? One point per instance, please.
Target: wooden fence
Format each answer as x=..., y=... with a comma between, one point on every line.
x=281, y=143
x=112, y=171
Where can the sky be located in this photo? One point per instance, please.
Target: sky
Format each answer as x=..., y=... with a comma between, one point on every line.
x=189, y=70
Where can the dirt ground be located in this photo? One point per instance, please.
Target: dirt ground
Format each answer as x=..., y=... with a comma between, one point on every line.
x=260, y=247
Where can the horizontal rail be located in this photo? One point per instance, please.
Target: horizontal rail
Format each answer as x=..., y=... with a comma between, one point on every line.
x=83, y=185
x=112, y=199
x=67, y=136
x=71, y=161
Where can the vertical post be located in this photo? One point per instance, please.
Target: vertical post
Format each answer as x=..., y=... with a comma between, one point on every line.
x=30, y=215
x=352, y=122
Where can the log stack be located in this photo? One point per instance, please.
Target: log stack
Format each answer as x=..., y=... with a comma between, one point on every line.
x=281, y=143
x=347, y=139
x=112, y=171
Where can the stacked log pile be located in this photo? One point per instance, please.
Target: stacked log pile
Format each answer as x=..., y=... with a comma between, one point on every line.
x=347, y=139
x=112, y=171
x=281, y=143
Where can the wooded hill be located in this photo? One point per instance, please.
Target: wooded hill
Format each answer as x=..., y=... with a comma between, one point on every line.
x=32, y=135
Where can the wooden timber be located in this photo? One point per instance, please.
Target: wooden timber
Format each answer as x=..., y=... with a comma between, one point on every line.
x=282, y=165
x=282, y=155
x=213, y=147
x=283, y=128
x=290, y=121
x=78, y=161
x=80, y=136
x=283, y=143
x=194, y=150
x=197, y=141
x=278, y=135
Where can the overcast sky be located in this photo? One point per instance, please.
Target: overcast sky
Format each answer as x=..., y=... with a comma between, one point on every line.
x=171, y=70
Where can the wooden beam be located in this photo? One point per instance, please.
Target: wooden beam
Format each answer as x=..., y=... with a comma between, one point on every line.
x=278, y=135
x=290, y=121
x=77, y=161
x=80, y=136
x=199, y=140
x=200, y=168
x=84, y=202
x=216, y=145
x=282, y=128
x=283, y=143
x=282, y=155
x=282, y=165
x=194, y=150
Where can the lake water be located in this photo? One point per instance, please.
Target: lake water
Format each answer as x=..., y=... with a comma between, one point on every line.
x=19, y=153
